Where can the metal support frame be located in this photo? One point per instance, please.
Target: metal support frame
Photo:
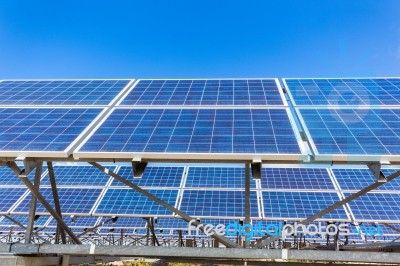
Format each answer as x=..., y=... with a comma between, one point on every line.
x=247, y=205
x=32, y=208
x=228, y=243
x=44, y=202
x=56, y=203
x=23, y=227
x=265, y=240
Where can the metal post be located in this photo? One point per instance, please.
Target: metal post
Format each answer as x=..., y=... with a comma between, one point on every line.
x=32, y=208
x=247, y=219
x=56, y=203
x=228, y=243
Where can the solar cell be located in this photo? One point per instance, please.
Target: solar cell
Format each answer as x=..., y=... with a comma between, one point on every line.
x=205, y=92
x=60, y=92
x=77, y=176
x=266, y=131
x=41, y=129
x=152, y=176
x=357, y=179
x=72, y=200
x=374, y=91
x=217, y=177
x=296, y=178
x=363, y=132
x=376, y=207
x=300, y=205
x=213, y=204
x=127, y=201
x=9, y=196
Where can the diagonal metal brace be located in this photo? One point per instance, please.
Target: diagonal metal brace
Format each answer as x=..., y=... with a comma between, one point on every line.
x=265, y=240
x=42, y=200
x=227, y=242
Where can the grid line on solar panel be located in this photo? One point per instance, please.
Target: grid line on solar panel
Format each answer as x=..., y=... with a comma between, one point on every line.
x=300, y=205
x=72, y=200
x=267, y=131
x=205, y=92
x=296, y=178
x=9, y=196
x=347, y=132
x=60, y=92
x=42, y=129
x=128, y=202
x=152, y=177
x=203, y=203
x=376, y=207
x=344, y=92
x=77, y=176
x=357, y=179
x=217, y=177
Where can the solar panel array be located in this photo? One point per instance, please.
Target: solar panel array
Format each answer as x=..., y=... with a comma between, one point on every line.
x=210, y=193
x=343, y=119
x=185, y=118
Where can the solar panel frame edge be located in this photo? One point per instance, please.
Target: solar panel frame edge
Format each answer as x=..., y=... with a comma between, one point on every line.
x=333, y=106
x=280, y=90
x=343, y=157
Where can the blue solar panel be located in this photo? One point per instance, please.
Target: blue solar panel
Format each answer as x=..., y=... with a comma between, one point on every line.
x=9, y=196
x=77, y=176
x=128, y=201
x=202, y=203
x=376, y=206
x=171, y=223
x=72, y=200
x=60, y=92
x=357, y=179
x=300, y=205
x=345, y=91
x=45, y=129
x=152, y=177
x=296, y=178
x=195, y=131
x=354, y=131
x=9, y=178
x=217, y=177
x=80, y=221
x=205, y=92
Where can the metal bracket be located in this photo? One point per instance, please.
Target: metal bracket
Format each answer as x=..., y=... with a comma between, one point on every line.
x=138, y=168
x=256, y=167
x=376, y=170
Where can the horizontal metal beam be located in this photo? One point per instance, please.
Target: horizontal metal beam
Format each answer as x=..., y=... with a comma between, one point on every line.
x=202, y=253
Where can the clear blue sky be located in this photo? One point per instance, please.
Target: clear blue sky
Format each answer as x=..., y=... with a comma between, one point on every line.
x=184, y=39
